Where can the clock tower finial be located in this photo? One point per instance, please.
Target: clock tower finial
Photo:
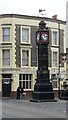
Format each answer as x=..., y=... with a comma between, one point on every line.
x=42, y=25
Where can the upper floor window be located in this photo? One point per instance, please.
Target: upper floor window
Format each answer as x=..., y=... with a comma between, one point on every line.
x=25, y=35
x=54, y=59
x=25, y=58
x=6, y=34
x=54, y=38
x=6, y=57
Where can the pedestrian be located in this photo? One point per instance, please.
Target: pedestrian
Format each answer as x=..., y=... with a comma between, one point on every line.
x=18, y=93
x=22, y=93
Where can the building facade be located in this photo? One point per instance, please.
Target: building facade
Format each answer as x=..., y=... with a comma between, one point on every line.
x=67, y=24
x=19, y=52
x=67, y=65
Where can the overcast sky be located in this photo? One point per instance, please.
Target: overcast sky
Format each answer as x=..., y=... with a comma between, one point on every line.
x=31, y=7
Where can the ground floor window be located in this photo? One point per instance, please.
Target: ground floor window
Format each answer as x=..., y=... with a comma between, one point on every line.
x=25, y=81
x=6, y=75
x=54, y=81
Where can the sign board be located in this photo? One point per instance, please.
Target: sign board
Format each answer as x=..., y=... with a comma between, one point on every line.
x=57, y=75
x=64, y=57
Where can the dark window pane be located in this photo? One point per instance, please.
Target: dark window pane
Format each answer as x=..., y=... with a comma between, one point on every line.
x=23, y=76
x=26, y=76
x=30, y=84
x=20, y=84
x=23, y=84
x=26, y=84
x=6, y=76
x=30, y=76
x=20, y=77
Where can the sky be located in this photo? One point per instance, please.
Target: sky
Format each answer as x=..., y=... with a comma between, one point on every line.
x=31, y=7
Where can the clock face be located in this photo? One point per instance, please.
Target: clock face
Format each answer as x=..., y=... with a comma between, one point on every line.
x=38, y=37
x=44, y=37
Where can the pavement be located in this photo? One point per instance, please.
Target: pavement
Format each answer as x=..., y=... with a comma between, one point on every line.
x=12, y=108
x=0, y=109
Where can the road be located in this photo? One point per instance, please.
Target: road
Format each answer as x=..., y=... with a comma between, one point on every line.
x=26, y=109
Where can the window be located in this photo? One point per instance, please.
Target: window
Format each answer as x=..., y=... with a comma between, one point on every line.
x=53, y=76
x=25, y=35
x=54, y=80
x=54, y=83
x=6, y=34
x=25, y=81
x=54, y=38
x=54, y=59
x=6, y=75
x=25, y=58
x=6, y=57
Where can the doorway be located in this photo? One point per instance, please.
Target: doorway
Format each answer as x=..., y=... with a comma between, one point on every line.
x=6, y=85
x=6, y=88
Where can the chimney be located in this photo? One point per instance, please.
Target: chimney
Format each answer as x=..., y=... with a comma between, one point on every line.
x=54, y=17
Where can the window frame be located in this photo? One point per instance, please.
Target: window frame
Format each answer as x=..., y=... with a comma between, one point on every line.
x=25, y=58
x=29, y=52
x=54, y=39
x=53, y=59
x=57, y=37
x=3, y=58
x=29, y=34
x=5, y=27
x=55, y=84
x=22, y=81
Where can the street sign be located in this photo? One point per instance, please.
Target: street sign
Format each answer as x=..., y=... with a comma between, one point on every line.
x=62, y=79
x=64, y=57
x=57, y=75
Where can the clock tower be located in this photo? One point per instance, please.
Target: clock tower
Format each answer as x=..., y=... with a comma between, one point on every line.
x=43, y=90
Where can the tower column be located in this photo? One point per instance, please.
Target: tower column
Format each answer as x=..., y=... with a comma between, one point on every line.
x=43, y=90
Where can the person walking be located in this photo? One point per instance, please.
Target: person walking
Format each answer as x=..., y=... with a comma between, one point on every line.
x=22, y=93
x=18, y=93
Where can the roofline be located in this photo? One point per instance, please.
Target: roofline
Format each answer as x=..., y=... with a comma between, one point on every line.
x=31, y=17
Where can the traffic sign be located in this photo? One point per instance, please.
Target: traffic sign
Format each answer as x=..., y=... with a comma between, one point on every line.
x=64, y=57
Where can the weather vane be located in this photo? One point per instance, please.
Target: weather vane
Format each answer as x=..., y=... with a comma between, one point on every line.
x=42, y=12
